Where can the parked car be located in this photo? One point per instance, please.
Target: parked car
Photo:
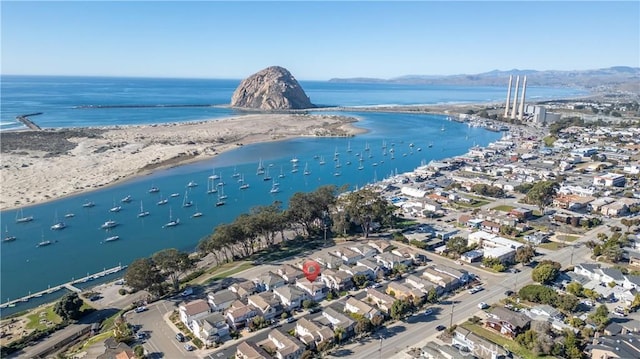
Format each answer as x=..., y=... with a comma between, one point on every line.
x=314, y=310
x=141, y=335
x=440, y=328
x=140, y=309
x=483, y=305
x=180, y=337
x=475, y=290
x=428, y=311
x=188, y=347
x=291, y=319
x=187, y=292
x=508, y=293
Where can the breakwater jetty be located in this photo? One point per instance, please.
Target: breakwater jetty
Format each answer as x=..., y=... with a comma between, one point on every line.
x=27, y=122
x=68, y=286
x=143, y=106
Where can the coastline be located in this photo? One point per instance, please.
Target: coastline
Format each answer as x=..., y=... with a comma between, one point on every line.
x=93, y=158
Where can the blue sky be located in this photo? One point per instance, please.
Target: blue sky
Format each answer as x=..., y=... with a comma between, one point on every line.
x=314, y=40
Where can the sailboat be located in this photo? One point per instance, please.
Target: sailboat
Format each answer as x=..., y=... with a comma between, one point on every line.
x=266, y=176
x=306, y=169
x=244, y=185
x=171, y=222
x=211, y=185
x=260, y=169
x=109, y=224
x=126, y=199
x=142, y=213
x=294, y=159
x=220, y=201
x=214, y=176
x=235, y=174
x=275, y=188
x=20, y=217
x=221, y=195
x=221, y=183
x=322, y=160
x=442, y=129
x=295, y=167
x=349, y=146
x=111, y=238
x=281, y=175
x=186, y=202
x=115, y=208
x=7, y=237
x=57, y=224
x=197, y=213
x=163, y=201
x=154, y=189
x=192, y=184
x=43, y=242
x=361, y=167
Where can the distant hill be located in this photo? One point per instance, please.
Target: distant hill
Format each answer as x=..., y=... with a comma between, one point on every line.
x=618, y=77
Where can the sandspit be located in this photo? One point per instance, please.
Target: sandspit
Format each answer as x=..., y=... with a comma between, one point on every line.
x=39, y=166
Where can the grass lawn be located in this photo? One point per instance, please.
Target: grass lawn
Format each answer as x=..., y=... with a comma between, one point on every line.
x=479, y=203
x=504, y=208
x=567, y=238
x=507, y=343
x=240, y=266
x=40, y=318
x=406, y=224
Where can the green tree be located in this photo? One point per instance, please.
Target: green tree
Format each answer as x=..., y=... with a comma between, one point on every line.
x=457, y=245
x=364, y=207
x=545, y=272
x=601, y=316
x=575, y=288
x=568, y=303
x=338, y=333
x=432, y=296
x=360, y=280
x=398, y=309
x=542, y=194
x=68, y=307
x=377, y=320
x=525, y=254
x=172, y=264
x=306, y=304
x=142, y=274
x=138, y=350
x=363, y=325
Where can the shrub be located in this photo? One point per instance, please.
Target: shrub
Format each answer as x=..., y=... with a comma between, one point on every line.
x=122, y=291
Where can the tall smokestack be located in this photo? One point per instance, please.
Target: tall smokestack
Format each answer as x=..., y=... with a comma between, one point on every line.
x=524, y=90
x=515, y=99
x=506, y=107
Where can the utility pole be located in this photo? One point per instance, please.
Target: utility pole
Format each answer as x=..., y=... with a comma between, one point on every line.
x=380, y=348
x=451, y=317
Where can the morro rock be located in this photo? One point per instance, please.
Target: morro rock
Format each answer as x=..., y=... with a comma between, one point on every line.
x=273, y=88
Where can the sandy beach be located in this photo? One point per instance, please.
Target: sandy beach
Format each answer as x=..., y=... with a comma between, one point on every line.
x=39, y=166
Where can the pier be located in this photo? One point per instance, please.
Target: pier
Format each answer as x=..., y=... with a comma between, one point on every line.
x=68, y=286
x=27, y=122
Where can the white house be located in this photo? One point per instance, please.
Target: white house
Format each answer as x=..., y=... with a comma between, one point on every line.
x=316, y=290
x=211, y=328
x=290, y=296
x=194, y=310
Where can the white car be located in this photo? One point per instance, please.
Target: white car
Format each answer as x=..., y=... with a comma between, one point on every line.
x=428, y=311
x=483, y=305
x=187, y=292
x=475, y=290
x=140, y=309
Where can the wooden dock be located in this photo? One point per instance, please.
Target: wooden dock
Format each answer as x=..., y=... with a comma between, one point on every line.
x=68, y=286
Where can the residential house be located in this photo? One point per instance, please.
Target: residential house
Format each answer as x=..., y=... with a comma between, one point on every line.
x=596, y=205
x=221, y=300
x=338, y=320
x=390, y=260
x=354, y=305
x=422, y=284
x=615, y=209
x=490, y=226
x=410, y=255
x=239, y=315
x=609, y=275
x=330, y=261
x=338, y=280
x=312, y=334
x=355, y=270
x=364, y=250
x=444, y=280
x=379, y=245
x=521, y=214
x=116, y=350
x=290, y=296
x=269, y=281
x=348, y=256
x=609, y=180
x=505, y=255
x=621, y=346
x=290, y=273
x=370, y=264
x=587, y=269
x=572, y=202
x=284, y=346
x=547, y=311
x=631, y=282
x=316, y=290
x=249, y=350
x=194, y=310
x=210, y=329
x=461, y=275
x=381, y=300
x=400, y=291
x=477, y=346
x=243, y=289
x=507, y=322
x=267, y=305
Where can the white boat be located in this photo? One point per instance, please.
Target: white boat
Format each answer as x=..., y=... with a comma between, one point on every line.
x=322, y=162
x=115, y=209
x=112, y=238
x=154, y=189
x=244, y=185
x=211, y=186
x=88, y=204
x=69, y=215
x=21, y=218
x=338, y=165
x=442, y=129
x=175, y=194
x=294, y=168
x=275, y=188
x=109, y=224
x=58, y=226
x=171, y=222
x=163, y=202
x=337, y=173
x=306, y=169
x=43, y=243
x=235, y=174
x=126, y=199
x=221, y=197
x=294, y=159
x=221, y=183
x=186, y=203
x=214, y=176
x=349, y=146
x=142, y=213
x=266, y=176
x=7, y=237
x=281, y=175
x=192, y=184
x=260, y=169
x=197, y=213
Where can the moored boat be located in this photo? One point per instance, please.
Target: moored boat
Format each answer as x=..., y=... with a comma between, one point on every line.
x=109, y=224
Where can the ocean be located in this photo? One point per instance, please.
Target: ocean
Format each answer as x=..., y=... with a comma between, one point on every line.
x=80, y=249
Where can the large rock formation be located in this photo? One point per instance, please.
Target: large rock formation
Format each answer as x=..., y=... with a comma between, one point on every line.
x=273, y=88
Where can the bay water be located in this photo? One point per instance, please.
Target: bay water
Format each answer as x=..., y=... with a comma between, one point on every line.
x=81, y=249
